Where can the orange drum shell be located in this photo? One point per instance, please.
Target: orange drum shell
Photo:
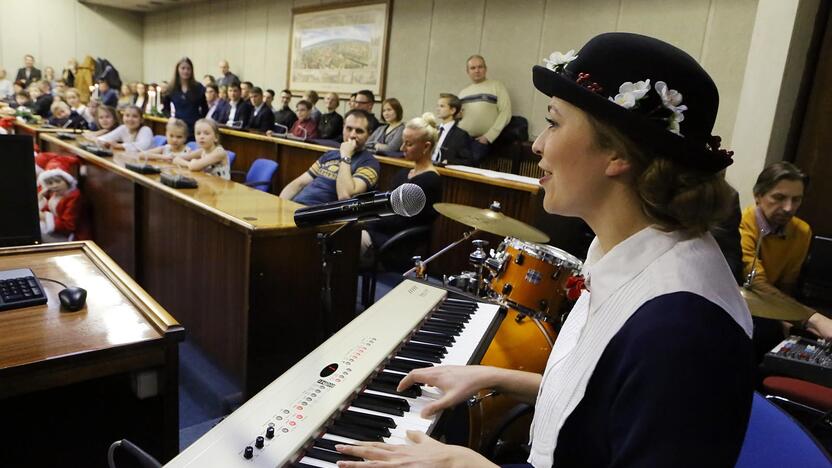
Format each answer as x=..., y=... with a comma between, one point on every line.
x=550, y=289
x=519, y=346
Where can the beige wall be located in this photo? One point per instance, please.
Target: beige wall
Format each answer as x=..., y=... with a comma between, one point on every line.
x=56, y=30
x=430, y=40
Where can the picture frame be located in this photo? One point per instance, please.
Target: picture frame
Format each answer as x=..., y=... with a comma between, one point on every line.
x=340, y=48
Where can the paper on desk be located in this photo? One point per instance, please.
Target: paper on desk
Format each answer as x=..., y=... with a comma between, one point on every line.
x=495, y=174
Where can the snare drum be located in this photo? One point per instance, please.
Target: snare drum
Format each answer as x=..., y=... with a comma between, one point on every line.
x=531, y=277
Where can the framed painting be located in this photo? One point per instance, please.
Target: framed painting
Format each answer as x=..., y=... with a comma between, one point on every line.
x=339, y=48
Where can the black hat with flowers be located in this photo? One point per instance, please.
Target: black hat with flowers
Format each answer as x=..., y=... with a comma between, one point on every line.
x=651, y=91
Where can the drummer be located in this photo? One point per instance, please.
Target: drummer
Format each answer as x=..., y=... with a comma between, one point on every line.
x=653, y=365
x=775, y=243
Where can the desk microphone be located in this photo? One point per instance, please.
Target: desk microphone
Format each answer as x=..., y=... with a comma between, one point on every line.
x=406, y=200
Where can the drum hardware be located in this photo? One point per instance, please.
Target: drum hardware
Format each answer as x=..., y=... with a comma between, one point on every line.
x=477, y=259
x=421, y=265
x=476, y=399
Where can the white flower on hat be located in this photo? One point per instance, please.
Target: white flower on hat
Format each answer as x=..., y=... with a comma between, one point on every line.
x=558, y=60
x=672, y=100
x=629, y=93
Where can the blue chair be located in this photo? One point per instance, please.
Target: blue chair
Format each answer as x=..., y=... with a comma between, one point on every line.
x=231, y=157
x=774, y=439
x=191, y=145
x=260, y=174
x=159, y=140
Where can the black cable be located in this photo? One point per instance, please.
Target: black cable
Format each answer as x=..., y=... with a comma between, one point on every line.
x=51, y=280
x=143, y=457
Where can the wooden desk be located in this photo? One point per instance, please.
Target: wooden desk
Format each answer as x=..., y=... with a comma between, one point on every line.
x=225, y=259
x=519, y=200
x=47, y=354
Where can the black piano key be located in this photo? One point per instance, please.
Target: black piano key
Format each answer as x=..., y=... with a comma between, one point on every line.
x=389, y=377
x=360, y=419
x=451, y=317
x=460, y=307
x=360, y=435
x=369, y=405
x=434, y=338
x=455, y=312
x=419, y=355
x=412, y=392
x=359, y=429
x=332, y=457
x=445, y=323
x=372, y=417
x=437, y=329
x=389, y=400
x=327, y=444
x=427, y=347
x=455, y=301
x=403, y=365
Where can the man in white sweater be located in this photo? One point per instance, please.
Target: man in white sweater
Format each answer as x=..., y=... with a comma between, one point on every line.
x=486, y=107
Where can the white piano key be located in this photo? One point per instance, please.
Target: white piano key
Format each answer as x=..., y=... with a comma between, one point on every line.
x=316, y=462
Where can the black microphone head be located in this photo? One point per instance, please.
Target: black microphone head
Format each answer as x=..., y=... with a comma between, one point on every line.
x=407, y=200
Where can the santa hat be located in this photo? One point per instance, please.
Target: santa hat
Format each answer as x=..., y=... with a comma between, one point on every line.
x=59, y=166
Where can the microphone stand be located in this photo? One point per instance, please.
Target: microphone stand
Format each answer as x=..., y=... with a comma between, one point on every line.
x=326, y=273
x=753, y=273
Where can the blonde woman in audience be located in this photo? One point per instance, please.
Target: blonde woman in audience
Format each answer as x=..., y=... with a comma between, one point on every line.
x=140, y=98
x=125, y=97
x=223, y=90
x=106, y=120
x=176, y=132
x=388, y=137
x=209, y=157
x=131, y=135
x=49, y=75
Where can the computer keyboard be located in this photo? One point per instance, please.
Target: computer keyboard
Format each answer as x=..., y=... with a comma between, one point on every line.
x=20, y=288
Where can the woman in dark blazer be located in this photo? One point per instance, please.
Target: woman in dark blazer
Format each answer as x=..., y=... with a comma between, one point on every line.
x=186, y=95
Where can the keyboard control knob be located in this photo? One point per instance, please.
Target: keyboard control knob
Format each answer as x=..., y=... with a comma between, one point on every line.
x=270, y=432
x=248, y=453
x=259, y=442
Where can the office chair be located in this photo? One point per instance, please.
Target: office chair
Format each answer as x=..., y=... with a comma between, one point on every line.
x=259, y=175
x=159, y=140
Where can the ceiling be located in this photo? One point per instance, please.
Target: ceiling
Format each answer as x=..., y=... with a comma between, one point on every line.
x=139, y=5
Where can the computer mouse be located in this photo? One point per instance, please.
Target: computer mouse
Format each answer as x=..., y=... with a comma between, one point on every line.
x=72, y=298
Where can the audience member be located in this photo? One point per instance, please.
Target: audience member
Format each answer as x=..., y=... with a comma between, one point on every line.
x=49, y=76
x=245, y=88
x=131, y=136
x=285, y=115
x=331, y=124
x=208, y=79
x=268, y=97
x=42, y=96
x=388, y=137
x=126, y=97
x=28, y=73
x=64, y=117
x=73, y=98
x=108, y=97
x=223, y=92
x=312, y=97
x=239, y=110
x=60, y=202
x=59, y=89
x=216, y=107
x=209, y=157
x=226, y=77
x=106, y=121
x=6, y=89
x=454, y=145
x=486, y=108
x=186, y=94
x=22, y=99
x=364, y=100
x=419, y=138
x=176, y=134
x=351, y=102
x=140, y=99
x=338, y=174
x=305, y=127
x=262, y=116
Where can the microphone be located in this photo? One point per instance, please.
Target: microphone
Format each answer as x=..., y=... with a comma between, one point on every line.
x=406, y=200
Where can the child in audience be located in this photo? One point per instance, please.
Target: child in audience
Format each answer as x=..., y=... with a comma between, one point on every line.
x=60, y=202
x=64, y=117
x=131, y=135
x=305, y=127
x=141, y=99
x=73, y=98
x=22, y=99
x=224, y=92
x=176, y=133
x=106, y=120
x=209, y=157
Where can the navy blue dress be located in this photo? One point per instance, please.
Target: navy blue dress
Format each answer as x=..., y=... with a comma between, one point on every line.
x=190, y=106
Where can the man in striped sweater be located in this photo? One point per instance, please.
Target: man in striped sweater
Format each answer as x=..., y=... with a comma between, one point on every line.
x=486, y=108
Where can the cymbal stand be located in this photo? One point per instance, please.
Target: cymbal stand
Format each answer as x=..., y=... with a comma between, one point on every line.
x=420, y=269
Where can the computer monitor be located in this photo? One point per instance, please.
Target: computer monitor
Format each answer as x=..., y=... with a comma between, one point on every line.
x=18, y=192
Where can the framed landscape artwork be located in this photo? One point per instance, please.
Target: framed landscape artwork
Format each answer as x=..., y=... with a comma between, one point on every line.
x=340, y=48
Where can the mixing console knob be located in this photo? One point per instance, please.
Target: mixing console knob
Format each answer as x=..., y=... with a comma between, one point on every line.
x=270, y=432
x=248, y=453
x=259, y=442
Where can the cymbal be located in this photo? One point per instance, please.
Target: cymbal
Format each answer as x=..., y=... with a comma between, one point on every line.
x=488, y=220
x=769, y=306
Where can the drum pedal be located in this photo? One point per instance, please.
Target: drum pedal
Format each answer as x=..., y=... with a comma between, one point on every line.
x=519, y=259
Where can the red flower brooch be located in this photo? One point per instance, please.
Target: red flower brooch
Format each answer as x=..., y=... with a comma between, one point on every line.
x=574, y=286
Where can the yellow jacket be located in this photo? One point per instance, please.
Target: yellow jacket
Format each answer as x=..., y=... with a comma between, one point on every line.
x=781, y=257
